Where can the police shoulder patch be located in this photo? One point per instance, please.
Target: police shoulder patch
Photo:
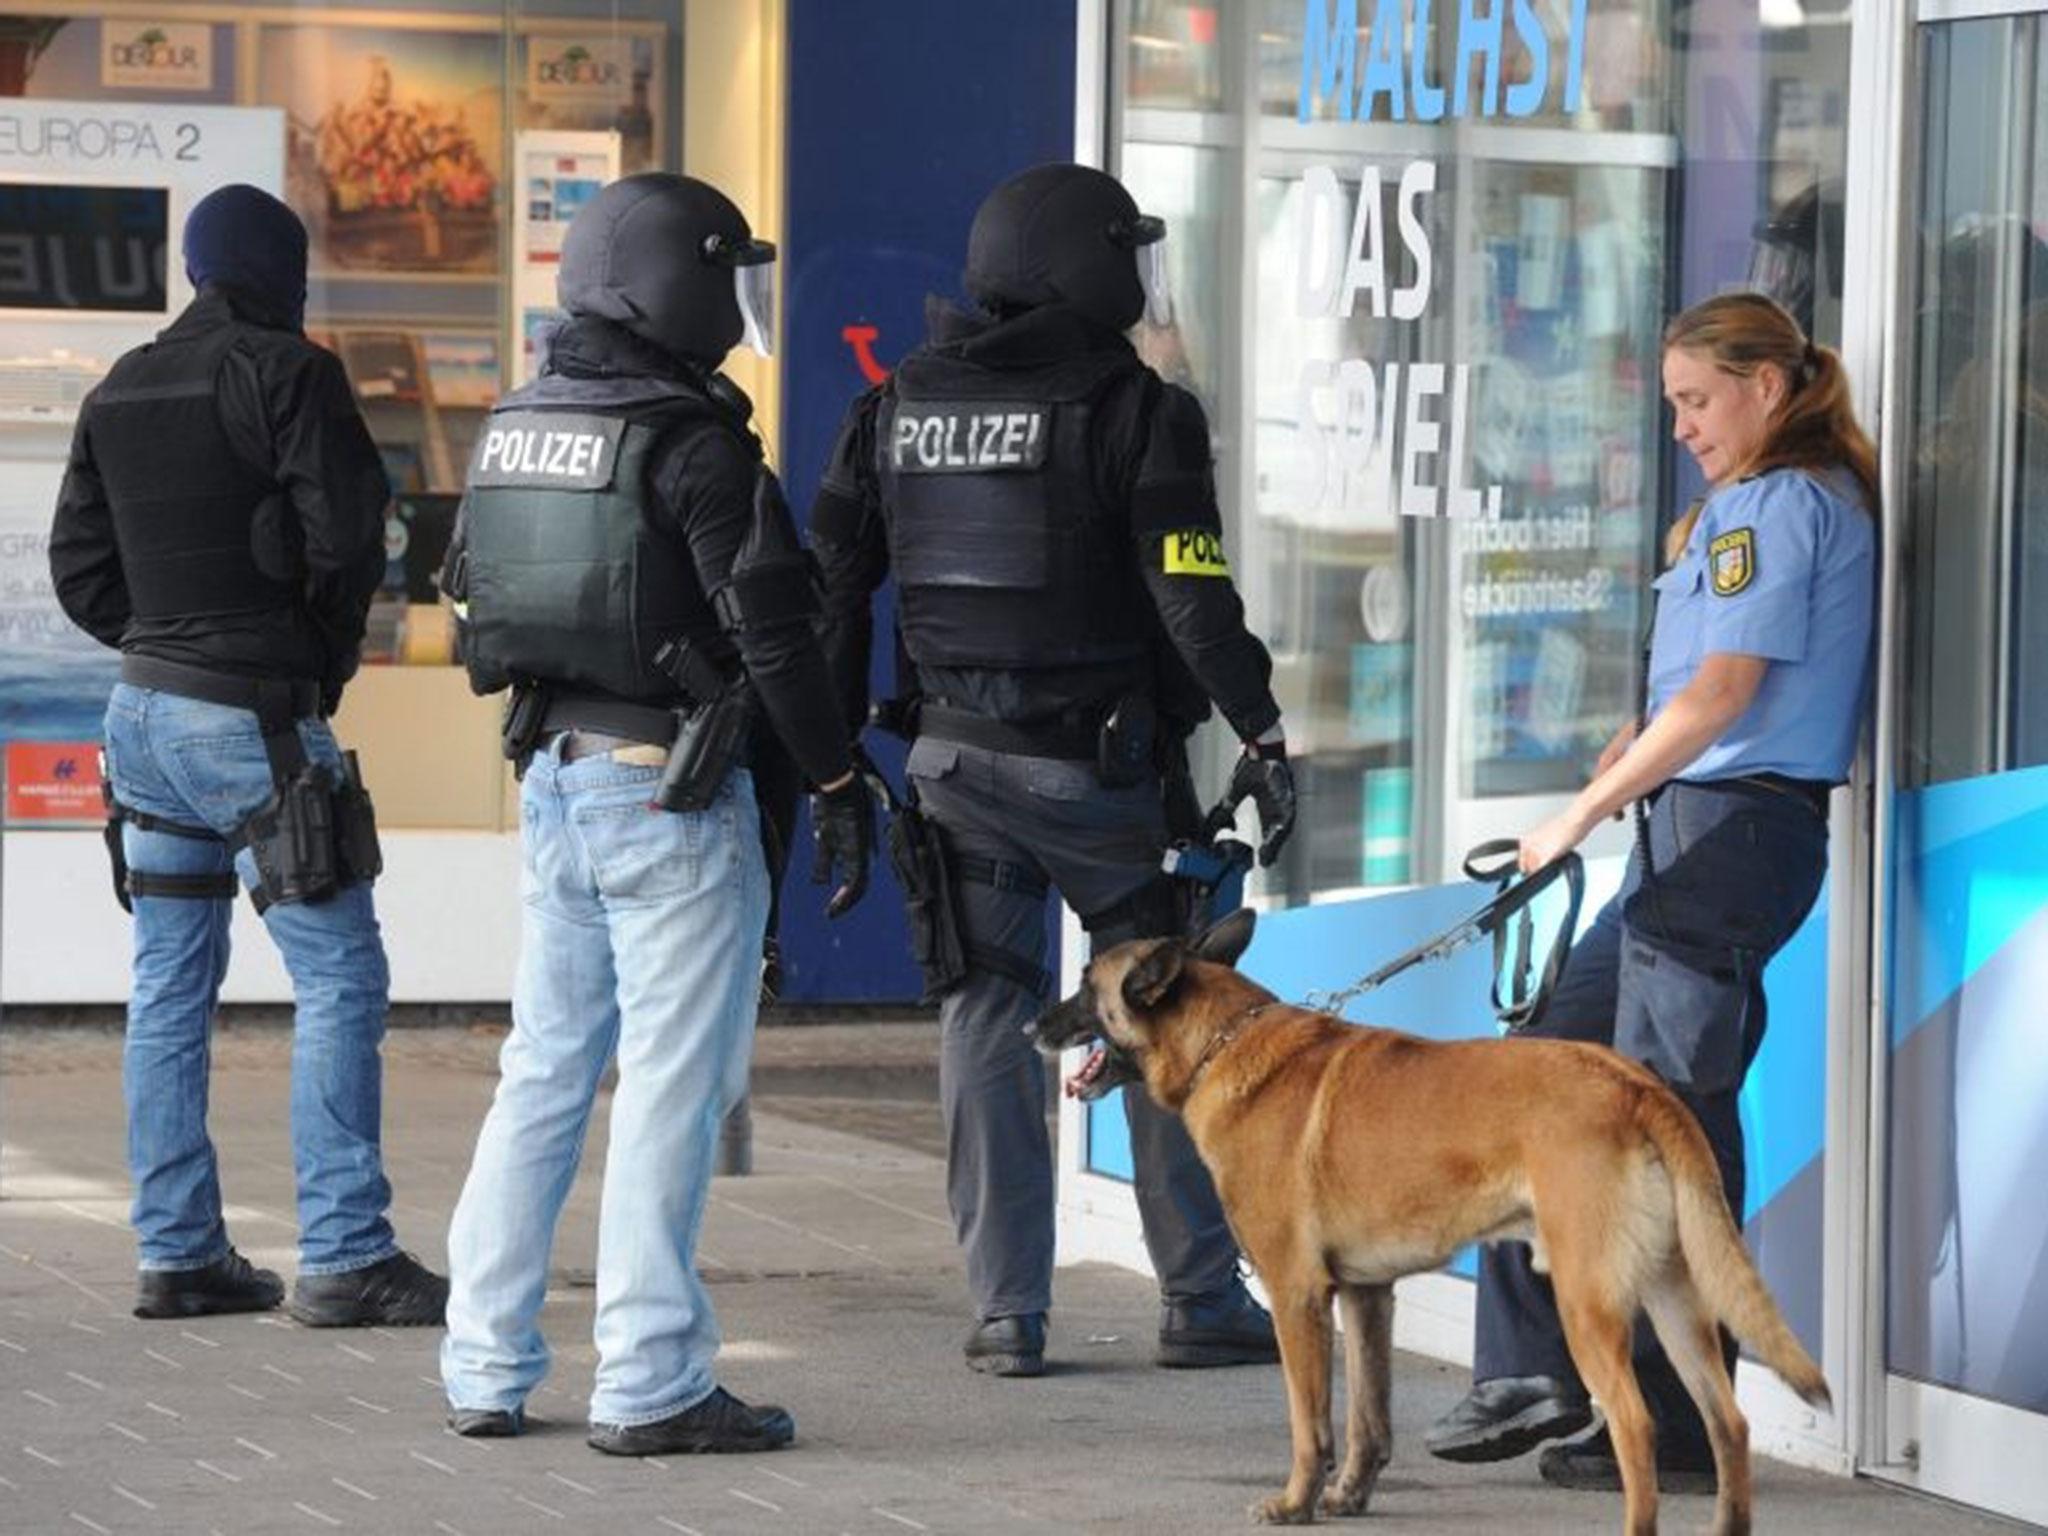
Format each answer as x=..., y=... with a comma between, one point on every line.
x=1193, y=552
x=1731, y=560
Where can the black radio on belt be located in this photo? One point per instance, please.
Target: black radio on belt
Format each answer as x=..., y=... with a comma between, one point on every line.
x=712, y=732
x=1124, y=747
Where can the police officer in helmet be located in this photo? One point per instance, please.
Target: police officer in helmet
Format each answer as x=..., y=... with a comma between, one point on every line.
x=1066, y=614
x=221, y=522
x=625, y=565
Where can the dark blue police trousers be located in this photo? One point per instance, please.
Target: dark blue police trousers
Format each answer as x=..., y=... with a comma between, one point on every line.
x=1671, y=973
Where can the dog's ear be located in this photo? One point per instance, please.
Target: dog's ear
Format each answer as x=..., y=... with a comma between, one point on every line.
x=1226, y=938
x=1153, y=977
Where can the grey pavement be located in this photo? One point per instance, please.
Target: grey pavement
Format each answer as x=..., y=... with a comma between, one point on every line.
x=833, y=1270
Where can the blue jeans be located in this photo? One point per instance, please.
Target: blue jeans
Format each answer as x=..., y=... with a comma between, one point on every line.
x=203, y=765
x=642, y=935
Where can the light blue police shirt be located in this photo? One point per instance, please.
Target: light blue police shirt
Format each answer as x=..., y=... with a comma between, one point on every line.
x=1782, y=566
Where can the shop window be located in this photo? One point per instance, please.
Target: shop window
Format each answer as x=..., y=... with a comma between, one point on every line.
x=435, y=155
x=1976, y=694
x=1542, y=201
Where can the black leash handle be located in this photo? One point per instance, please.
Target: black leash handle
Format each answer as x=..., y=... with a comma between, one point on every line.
x=1512, y=899
x=1510, y=909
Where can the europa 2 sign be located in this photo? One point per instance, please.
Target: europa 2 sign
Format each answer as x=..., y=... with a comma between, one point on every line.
x=1390, y=437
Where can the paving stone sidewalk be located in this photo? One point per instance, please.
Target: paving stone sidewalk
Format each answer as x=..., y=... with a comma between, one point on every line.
x=834, y=1272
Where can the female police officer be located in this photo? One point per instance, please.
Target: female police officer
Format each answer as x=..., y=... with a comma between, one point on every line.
x=1758, y=674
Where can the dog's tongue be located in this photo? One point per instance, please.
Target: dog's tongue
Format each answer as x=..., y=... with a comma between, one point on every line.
x=1081, y=1081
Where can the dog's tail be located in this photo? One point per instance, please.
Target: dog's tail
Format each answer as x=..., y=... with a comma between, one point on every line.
x=1712, y=1246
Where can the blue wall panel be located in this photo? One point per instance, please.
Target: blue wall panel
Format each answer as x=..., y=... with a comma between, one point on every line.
x=1968, y=1230
x=902, y=114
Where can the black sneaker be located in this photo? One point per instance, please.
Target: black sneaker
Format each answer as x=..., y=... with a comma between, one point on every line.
x=229, y=1284
x=1588, y=1466
x=398, y=1292
x=1507, y=1417
x=720, y=1424
x=487, y=1423
x=1008, y=1346
x=1227, y=1329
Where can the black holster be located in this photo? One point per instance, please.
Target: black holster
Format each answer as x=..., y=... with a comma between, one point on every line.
x=292, y=838
x=917, y=854
x=526, y=711
x=356, y=849
x=711, y=740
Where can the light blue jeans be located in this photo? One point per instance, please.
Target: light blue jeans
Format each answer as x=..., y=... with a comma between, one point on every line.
x=203, y=764
x=641, y=935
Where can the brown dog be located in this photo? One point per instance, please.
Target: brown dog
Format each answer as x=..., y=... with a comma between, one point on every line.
x=1347, y=1157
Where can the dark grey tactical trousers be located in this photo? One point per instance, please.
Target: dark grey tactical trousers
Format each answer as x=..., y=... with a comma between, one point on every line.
x=1096, y=846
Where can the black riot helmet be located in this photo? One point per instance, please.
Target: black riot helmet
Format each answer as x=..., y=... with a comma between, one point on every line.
x=1072, y=234
x=672, y=260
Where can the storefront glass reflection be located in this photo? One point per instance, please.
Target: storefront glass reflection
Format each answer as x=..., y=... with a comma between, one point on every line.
x=1444, y=283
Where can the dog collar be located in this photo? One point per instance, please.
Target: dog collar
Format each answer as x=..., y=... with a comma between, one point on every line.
x=1223, y=1037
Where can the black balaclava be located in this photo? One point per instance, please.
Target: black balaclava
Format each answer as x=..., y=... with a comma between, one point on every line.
x=1047, y=235
x=635, y=255
x=246, y=239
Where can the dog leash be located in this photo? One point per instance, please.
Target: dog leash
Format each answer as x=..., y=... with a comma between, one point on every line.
x=1506, y=919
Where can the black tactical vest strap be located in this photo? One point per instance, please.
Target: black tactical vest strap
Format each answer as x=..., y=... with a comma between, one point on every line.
x=183, y=504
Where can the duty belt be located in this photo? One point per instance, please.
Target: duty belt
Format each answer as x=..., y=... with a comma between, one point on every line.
x=271, y=698
x=1812, y=793
x=646, y=723
x=1051, y=739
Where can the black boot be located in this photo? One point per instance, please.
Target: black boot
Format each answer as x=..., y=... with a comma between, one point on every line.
x=398, y=1292
x=1508, y=1417
x=1225, y=1329
x=1588, y=1466
x=487, y=1423
x=1008, y=1346
x=719, y=1424
x=229, y=1284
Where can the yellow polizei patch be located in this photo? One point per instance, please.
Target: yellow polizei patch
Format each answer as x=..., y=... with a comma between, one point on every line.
x=1194, y=552
x=1731, y=560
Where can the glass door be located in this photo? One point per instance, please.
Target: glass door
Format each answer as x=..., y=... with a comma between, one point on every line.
x=1966, y=1280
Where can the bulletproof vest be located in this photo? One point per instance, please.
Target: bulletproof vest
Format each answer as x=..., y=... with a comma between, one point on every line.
x=184, y=506
x=566, y=577
x=1003, y=553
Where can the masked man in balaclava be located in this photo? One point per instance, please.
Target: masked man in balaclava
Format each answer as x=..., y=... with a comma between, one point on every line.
x=625, y=565
x=222, y=523
x=1047, y=506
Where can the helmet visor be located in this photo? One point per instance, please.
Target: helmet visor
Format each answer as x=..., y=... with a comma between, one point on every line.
x=1145, y=237
x=1158, y=285
x=753, y=286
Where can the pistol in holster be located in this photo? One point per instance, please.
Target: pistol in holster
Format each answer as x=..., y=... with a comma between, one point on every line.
x=917, y=853
x=712, y=731
x=316, y=834
x=526, y=711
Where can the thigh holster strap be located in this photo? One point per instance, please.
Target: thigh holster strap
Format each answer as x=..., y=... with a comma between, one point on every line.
x=1000, y=874
x=220, y=887
x=1003, y=875
x=134, y=882
x=1154, y=910
x=1034, y=979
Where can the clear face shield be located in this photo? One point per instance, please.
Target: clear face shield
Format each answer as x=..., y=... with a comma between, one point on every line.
x=753, y=286
x=1145, y=237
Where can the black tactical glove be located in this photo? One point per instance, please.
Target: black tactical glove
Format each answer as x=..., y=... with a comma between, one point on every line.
x=843, y=823
x=1263, y=775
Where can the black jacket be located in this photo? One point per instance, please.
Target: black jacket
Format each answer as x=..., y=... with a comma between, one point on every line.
x=701, y=486
x=1151, y=456
x=286, y=407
